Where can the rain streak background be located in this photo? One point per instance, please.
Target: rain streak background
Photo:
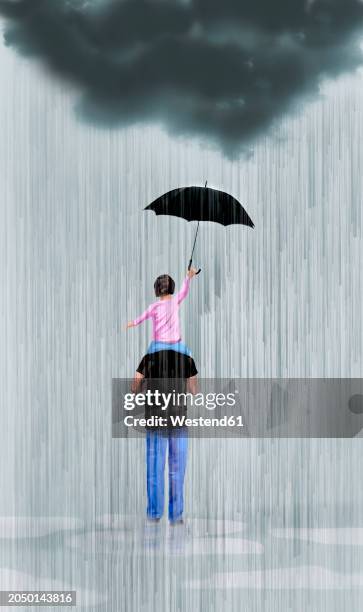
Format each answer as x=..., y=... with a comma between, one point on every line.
x=273, y=524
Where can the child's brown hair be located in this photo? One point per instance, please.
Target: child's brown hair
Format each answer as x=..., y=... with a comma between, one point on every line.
x=164, y=285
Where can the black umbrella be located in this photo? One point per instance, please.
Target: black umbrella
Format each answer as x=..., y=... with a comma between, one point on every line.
x=201, y=204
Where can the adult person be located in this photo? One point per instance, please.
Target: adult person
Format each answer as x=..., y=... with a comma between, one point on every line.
x=169, y=371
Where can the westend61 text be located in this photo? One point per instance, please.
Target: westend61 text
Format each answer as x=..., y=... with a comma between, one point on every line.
x=183, y=421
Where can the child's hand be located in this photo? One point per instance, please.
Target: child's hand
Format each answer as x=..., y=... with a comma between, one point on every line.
x=130, y=324
x=192, y=272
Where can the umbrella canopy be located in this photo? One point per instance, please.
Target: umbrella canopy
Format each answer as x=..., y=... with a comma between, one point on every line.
x=201, y=204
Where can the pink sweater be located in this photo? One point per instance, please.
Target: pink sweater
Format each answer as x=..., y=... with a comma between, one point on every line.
x=165, y=316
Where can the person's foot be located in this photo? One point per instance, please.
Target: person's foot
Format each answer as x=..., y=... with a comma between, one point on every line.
x=152, y=532
x=178, y=536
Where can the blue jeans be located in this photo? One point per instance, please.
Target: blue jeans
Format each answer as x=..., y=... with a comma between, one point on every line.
x=156, y=443
x=179, y=347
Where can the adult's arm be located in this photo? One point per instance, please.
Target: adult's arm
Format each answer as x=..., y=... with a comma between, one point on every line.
x=137, y=382
x=192, y=385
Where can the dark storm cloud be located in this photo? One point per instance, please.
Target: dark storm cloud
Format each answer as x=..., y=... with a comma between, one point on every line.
x=222, y=69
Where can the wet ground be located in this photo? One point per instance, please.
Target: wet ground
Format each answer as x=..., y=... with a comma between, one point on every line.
x=124, y=563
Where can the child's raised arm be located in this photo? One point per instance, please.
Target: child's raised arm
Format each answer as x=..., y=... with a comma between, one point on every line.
x=182, y=294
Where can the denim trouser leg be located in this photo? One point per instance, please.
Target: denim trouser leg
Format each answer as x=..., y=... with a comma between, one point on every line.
x=178, y=450
x=155, y=465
